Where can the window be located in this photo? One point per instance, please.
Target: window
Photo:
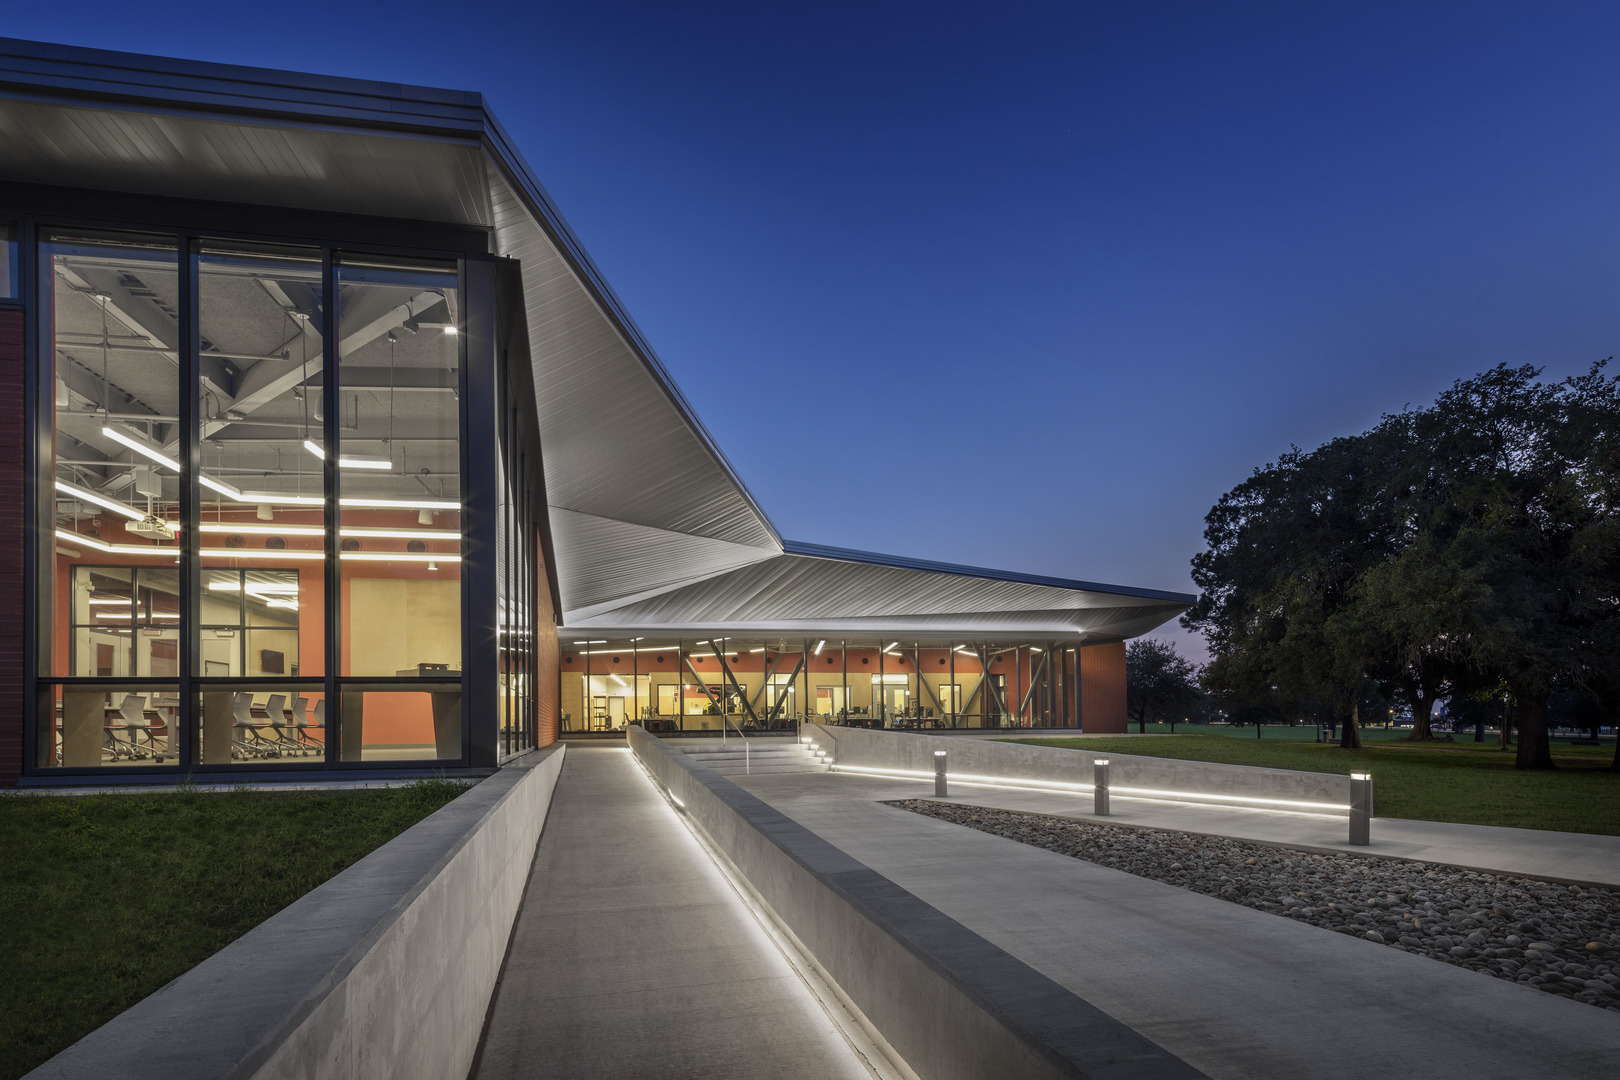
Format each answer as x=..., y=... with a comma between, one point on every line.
x=262, y=527
x=399, y=469
x=110, y=335
x=8, y=262
x=125, y=625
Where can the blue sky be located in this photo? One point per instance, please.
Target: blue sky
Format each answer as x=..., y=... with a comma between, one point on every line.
x=1029, y=285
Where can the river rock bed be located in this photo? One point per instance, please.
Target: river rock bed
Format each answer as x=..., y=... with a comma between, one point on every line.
x=1563, y=939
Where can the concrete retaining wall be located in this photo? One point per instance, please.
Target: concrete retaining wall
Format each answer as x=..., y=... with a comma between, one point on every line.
x=1013, y=762
x=385, y=970
x=951, y=1004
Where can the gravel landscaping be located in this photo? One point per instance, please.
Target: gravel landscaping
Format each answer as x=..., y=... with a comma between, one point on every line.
x=1563, y=939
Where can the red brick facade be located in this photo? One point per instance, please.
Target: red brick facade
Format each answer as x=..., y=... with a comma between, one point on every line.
x=1102, y=688
x=12, y=623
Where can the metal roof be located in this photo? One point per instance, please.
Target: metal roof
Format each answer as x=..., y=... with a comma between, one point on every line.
x=652, y=525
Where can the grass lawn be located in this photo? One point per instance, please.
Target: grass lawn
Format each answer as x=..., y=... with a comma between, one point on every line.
x=1466, y=782
x=105, y=898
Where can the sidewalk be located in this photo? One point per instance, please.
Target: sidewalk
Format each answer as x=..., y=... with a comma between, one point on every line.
x=633, y=957
x=1239, y=993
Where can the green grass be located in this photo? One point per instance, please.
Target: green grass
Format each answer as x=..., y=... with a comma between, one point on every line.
x=1473, y=783
x=105, y=898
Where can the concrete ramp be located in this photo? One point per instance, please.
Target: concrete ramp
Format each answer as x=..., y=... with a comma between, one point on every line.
x=633, y=956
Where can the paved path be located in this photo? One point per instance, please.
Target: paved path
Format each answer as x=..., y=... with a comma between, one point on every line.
x=1236, y=992
x=633, y=956
x=1579, y=857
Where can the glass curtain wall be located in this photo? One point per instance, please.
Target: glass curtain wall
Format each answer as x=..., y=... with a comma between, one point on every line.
x=398, y=459
x=109, y=596
x=122, y=622
x=260, y=656
x=517, y=599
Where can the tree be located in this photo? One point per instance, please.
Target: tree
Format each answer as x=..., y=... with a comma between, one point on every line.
x=1466, y=545
x=1158, y=679
x=1287, y=547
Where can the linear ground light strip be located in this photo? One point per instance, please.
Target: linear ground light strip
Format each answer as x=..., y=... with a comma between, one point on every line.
x=1055, y=785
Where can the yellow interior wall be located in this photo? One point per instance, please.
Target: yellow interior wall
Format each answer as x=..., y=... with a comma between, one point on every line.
x=395, y=624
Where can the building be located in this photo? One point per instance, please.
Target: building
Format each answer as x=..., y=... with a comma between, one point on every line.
x=325, y=447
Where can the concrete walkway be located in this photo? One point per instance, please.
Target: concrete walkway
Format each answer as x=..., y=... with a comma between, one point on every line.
x=634, y=957
x=1578, y=857
x=1236, y=992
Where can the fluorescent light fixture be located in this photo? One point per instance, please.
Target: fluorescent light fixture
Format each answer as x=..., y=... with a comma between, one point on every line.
x=964, y=651
x=260, y=530
x=939, y=753
x=890, y=646
x=348, y=462
x=99, y=500
x=602, y=642
x=1360, y=776
x=1099, y=761
x=451, y=331
x=261, y=553
x=403, y=504
x=397, y=556
x=223, y=489
x=141, y=448
x=620, y=681
x=283, y=604
x=289, y=589
x=117, y=549
x=819, y=646
x=1036, y=648
x=108, y=600
x=760, y=649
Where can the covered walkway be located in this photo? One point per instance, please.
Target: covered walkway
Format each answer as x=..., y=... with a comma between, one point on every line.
x=633, y=956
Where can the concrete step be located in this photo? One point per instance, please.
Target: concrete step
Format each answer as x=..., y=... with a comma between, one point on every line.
x=733, y=759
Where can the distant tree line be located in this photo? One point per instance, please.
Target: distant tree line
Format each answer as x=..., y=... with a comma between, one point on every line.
x=1466, y=550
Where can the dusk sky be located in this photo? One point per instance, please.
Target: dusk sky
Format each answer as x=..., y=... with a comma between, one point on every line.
x=1028, y=285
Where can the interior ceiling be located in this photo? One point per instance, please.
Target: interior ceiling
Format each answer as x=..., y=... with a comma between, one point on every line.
x=653, y=527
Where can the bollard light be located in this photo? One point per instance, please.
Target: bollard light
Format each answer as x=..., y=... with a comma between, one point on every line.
x=939, y=774
x=1099, y=790
x=1361, y=808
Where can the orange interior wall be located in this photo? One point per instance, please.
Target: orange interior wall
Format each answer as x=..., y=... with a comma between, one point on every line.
x=1102, y=688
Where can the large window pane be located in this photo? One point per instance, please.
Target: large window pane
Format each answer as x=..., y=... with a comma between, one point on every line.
x=110, y=336
x=260, y=413
x=108, y=723
x=399, y=472
x=401, y=723
x=244, y=723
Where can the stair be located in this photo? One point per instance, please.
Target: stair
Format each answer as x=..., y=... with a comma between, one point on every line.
x=759, y=756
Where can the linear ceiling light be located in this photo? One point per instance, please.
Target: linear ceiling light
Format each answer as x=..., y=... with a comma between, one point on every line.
x=116, y=549
x=100, y=500
x=349, y=462
x=141, y=448
x=819, y=646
